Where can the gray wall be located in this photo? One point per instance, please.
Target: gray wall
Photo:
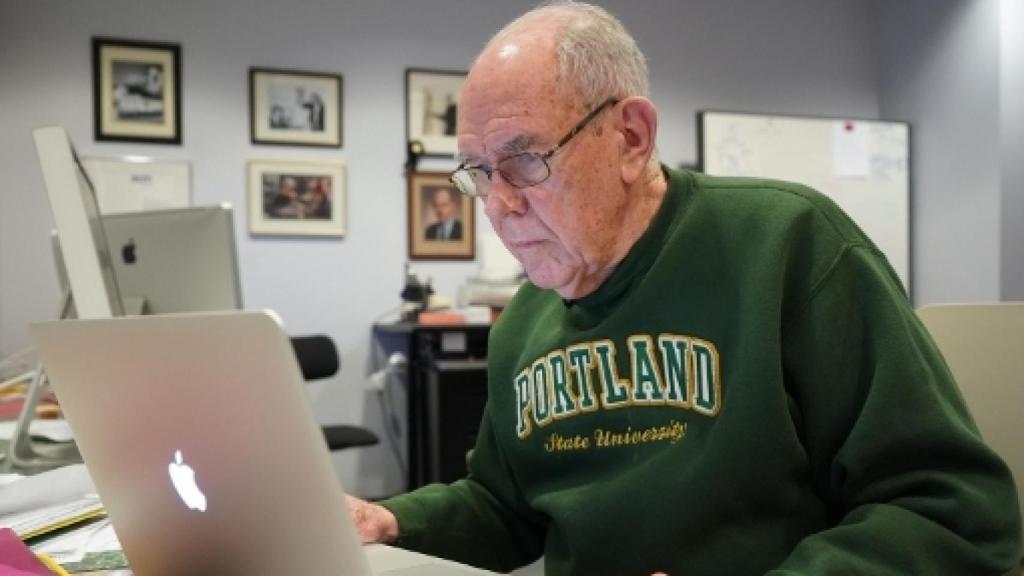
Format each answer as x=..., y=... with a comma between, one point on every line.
x=783, y=56
x=955, y=70
x=1012, y=109
x=940, y=72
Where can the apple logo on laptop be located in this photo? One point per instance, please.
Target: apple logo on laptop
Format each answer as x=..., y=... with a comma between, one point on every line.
x=183, y=477
x=128, y=252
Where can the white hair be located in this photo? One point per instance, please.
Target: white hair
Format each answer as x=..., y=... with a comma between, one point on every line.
x=597, y=57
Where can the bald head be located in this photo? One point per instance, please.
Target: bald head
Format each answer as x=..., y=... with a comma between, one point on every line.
x=563, y=55
x=594, y=57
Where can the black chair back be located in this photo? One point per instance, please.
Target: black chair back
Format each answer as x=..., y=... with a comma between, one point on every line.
x=317, y=356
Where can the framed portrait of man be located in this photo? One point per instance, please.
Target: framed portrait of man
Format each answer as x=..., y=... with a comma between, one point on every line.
x=441, y=220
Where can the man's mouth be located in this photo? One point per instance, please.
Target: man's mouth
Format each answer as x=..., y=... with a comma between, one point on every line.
x=524, y=244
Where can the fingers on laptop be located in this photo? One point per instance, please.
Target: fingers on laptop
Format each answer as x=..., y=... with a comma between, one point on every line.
x=374, y=523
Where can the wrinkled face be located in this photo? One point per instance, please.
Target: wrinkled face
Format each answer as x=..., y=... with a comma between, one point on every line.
x=444, y=205
x=563, y=230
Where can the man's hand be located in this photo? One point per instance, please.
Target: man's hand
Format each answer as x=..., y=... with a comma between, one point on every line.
x=374, y=523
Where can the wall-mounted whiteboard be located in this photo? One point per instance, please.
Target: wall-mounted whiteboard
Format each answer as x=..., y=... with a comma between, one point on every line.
x=863, y=165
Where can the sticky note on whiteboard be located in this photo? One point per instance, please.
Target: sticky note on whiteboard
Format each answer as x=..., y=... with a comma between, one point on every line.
x=850, y=154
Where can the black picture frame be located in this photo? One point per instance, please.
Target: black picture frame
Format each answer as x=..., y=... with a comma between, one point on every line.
x=295, y=107
x=136, y=90
x=431, y=104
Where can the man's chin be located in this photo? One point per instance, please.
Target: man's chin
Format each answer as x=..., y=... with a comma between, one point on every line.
x=560, y=283
x=541, y=278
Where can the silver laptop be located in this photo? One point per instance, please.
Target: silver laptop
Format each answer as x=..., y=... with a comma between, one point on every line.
x=203, y=447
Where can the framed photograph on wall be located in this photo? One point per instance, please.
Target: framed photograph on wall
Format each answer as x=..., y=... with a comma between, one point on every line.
x=431, y=106
x=136, y=91
x=441, y=220
x=293, y=107
x=296, y=198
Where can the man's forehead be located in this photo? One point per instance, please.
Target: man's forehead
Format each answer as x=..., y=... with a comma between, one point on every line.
x=498, y=123
x=499, y=148
x=510, y=96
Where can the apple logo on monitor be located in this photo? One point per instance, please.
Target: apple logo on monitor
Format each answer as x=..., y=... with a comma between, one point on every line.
x=183, y=477
x=128, y=252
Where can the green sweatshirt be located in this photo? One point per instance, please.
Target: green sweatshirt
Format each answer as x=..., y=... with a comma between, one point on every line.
x=750, y=392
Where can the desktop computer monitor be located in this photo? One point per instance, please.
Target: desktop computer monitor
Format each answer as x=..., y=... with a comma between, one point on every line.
x=175, y=260
x=85, y=269
x=76, y=216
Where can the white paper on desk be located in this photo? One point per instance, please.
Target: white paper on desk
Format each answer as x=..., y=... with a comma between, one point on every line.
x=57, y=430
x=55, y=486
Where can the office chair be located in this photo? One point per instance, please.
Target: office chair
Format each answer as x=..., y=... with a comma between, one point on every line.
x=984, y=347
x=318, y=358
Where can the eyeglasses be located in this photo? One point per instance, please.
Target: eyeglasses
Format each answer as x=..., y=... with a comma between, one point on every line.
x=520, y=170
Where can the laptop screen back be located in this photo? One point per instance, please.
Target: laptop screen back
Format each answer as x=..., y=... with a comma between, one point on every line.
x=202, y=444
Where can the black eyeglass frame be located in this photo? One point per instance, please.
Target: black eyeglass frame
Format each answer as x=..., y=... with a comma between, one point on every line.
x=489, y=171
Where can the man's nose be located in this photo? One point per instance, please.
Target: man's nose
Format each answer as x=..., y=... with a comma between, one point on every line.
x=503, y=198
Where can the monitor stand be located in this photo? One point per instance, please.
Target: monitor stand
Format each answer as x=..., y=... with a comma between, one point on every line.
x=23, y=452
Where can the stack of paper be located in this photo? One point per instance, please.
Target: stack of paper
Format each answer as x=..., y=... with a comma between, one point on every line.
x=32, y=523
x=60, y=515
x=35, y=505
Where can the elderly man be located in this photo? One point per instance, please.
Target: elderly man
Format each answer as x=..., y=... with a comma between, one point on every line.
x=703, y=375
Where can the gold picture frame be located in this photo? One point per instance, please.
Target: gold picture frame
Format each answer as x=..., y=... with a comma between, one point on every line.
x=441, y=220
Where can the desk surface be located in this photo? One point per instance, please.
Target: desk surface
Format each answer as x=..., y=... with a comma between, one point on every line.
x=382, y=559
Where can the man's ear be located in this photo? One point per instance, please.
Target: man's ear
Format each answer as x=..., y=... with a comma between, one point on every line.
x=638, y=124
